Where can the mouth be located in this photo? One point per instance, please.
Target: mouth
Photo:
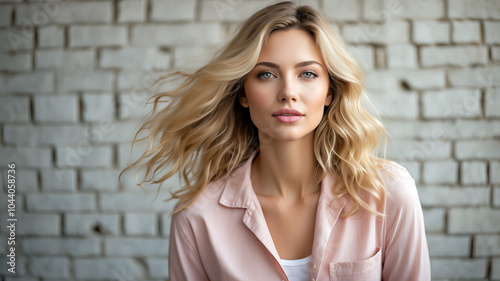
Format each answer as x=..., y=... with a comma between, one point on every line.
x=288, y=115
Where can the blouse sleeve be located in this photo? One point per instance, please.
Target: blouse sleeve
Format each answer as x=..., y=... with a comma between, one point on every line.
x=184, y=261
x=406, y=254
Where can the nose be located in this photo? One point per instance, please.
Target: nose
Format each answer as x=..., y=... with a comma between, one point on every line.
x=288, y=91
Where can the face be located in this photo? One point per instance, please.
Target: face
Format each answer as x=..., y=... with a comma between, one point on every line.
x=287, y=90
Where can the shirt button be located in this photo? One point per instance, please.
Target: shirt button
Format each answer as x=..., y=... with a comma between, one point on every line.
x=314, y=266
x=312, y=279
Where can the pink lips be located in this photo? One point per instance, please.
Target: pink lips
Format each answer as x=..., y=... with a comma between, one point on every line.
x=288, y=115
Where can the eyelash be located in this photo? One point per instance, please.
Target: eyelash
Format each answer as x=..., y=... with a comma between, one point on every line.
x=267, y=71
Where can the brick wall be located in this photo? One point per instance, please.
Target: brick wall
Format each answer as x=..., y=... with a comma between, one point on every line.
x=72, y=77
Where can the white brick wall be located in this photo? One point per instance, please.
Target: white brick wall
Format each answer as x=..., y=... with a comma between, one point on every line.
x=73, y=76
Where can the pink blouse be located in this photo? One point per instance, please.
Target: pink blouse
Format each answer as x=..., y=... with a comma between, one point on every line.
x=224, y=235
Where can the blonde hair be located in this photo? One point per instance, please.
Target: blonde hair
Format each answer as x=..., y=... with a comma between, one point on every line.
x=205, y=133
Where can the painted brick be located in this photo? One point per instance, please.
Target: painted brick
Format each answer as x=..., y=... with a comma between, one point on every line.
x=486, y=245
x=44, y=134
x=15, y=62
x=141, y=224
x=495, y=53
x=431, y=32
x=83, y=80
x=135, y=58
x=157, y=268
x=29, y=82
x=14, y=109
x=492, y=103
x=97, y=36
x=458, y=196
x=51, y=36
x=177, y=34
x=474, y=9
x=496, y=197
x=172, y=10
x=431, y=56
x=419, y=150
x=166, y=222
x=26, y=180
x=76, y=247
x=424, y=79
x=399, y=105
x=132, y=201
x=402, y=56
x=466, y=32
x=121, y=132
x=434, y=219
x=474, y=149
x=440, y=172
x=458, y=268
x=475, y=77
x=27, y=157
x=56, y=108
x=132, y=11
x=98, y=106
x=393, y=32
x=473, y=220
x=364, y=55
x=50, y=267
x=16, y=39
x=495, y=269
x=186, y=57
x=388, y=9
x=492, y=31
x=413, y=168
x=495, y=172
x=99, y=180
x=64, y=59
x=474, y=172
x=108, y=268
x=462, y=129
x=69, y=12
x=37, y=224
x=136, y=246
x=342, y=10
x=84, y=155
x=61, y=202
x=87, y=224
x=5, y=15
x=58, y=179
x=448, y=246
x=451, y=103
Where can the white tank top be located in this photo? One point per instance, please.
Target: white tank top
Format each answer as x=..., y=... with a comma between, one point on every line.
x=297, y=270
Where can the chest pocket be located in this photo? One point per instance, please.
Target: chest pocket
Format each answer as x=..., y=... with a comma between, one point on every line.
x=365, y=270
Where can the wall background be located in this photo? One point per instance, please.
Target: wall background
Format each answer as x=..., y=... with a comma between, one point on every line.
x=72, y=89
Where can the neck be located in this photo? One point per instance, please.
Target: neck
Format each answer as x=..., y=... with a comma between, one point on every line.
x=286, y=169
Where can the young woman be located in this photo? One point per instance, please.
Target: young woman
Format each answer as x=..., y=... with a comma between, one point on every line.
x=275, y=150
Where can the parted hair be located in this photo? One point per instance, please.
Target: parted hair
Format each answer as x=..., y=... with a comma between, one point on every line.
x=203, y=133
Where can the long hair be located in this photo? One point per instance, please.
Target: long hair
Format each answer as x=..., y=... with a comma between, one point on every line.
x=204, y=133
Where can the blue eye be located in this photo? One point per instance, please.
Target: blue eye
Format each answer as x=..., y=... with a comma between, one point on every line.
x=309, y=75
x=265, y=75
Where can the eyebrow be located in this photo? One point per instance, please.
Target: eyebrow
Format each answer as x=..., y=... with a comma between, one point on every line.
x=300, y=64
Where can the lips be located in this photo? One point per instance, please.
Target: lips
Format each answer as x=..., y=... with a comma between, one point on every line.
x=288, y=115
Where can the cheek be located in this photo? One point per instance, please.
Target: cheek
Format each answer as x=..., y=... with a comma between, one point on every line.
x=259, y=95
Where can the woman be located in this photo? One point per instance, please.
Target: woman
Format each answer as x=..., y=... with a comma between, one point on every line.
x=275, y=150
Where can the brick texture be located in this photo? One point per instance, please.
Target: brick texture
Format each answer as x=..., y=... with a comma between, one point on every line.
x=73, y=86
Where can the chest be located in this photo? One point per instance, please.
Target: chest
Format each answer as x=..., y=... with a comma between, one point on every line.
x=291, y=226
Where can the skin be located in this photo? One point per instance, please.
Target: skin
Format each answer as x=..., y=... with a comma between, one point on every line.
x=290, y=73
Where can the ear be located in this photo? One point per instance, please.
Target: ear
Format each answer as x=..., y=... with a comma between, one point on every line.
x=243, y=101
x=329, y=98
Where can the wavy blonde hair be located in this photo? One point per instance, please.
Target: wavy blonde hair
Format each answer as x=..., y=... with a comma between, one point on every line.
x=204, y=133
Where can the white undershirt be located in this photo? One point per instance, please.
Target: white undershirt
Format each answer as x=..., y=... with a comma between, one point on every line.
x=297, y=270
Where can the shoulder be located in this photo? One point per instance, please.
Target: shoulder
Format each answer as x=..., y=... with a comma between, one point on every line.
x=206, y=201
x=400, y=187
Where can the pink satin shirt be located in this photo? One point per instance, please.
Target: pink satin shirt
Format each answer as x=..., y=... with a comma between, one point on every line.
x=224, y=235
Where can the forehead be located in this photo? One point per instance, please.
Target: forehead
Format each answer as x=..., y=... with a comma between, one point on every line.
x=290, y=45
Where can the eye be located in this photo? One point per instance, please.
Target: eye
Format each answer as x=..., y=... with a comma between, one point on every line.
x=265, y=75
x=309, y=74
